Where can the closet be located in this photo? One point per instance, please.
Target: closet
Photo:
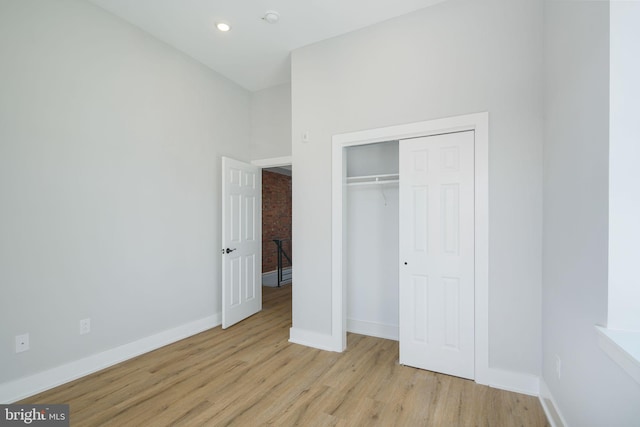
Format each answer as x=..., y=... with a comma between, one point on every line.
x=372, y=239
x=410, y=239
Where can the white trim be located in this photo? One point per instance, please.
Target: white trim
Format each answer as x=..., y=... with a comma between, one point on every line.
x=338, y=273
x=15, y=390
x=554, y=416
x=478, y=122
x=312, y=339
x=273, y=162
x=623, y=347
x=514, y=381
x=373, y=329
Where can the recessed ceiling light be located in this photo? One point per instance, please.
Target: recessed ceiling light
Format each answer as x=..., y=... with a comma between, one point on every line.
x=271, y=16
x=223, y=26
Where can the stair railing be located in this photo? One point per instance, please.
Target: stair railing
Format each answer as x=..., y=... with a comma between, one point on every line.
x=283, y=276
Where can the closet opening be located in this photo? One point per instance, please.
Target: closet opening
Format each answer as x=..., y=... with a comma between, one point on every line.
x=372, y=232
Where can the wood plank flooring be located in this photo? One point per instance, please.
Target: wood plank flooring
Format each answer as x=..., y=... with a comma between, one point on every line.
x=250, y=375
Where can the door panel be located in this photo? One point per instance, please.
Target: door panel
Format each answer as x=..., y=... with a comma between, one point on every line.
x=242, y=235
x=437, y=253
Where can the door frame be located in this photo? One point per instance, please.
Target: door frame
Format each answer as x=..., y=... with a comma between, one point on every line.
x=273, y=162
x=477, y=122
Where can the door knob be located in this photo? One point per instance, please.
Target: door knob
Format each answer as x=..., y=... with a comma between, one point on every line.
x=230, y=250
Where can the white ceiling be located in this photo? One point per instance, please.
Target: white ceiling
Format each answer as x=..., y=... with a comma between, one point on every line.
x=254, y=54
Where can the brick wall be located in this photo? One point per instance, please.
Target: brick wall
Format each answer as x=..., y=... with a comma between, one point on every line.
x=276, y=218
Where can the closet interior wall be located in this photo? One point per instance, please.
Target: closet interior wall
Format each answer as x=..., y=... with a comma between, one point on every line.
x=372, y=239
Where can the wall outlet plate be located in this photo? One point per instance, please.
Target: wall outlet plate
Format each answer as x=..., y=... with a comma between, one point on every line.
x=22, y=343
x=85, y=326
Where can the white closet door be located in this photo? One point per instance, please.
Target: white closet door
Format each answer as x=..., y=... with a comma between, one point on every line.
x=437, y=253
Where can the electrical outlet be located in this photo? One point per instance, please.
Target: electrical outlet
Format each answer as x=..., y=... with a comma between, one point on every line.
x=22, y=343
x=85, y=326
x=558, y=366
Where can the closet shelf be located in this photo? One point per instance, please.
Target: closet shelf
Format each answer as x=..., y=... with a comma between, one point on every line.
x=373, y=179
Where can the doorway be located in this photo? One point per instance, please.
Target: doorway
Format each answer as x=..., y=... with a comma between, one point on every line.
x=279, y=174
x=478, y=123
x=242, y=237
x=276, y=226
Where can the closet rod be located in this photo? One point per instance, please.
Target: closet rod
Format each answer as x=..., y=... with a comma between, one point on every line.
x=390, y=181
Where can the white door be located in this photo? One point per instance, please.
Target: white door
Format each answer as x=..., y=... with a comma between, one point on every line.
x=437, y=253
x=241, y=241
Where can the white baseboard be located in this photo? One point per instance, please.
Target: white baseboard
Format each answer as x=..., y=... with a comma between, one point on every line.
x=270, y=278
x=313, y=339
x=554, y=416
x=513, y=381
x=373, y=329
x=21, y=388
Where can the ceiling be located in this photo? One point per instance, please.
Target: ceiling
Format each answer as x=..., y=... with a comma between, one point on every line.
x=254, y=54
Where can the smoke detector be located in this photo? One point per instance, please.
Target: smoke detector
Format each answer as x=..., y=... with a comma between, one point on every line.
x=271, y=16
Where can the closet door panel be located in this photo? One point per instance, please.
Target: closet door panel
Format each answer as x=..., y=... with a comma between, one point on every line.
x=436, y=253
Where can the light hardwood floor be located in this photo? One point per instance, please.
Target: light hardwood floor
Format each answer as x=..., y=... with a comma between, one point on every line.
x=250, y=375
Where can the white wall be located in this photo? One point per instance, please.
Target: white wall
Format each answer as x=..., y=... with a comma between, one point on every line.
x=372, y=260
x=271, y=122
x=458, y=57
x=373, y=159
x=592, y=389
x=624, y=175
x=110, y=146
